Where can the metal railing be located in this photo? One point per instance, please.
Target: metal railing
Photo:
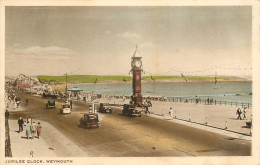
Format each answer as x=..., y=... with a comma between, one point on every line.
x=202, y=101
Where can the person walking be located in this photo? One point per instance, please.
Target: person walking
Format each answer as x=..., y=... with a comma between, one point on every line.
x=28, y=130
x=39, y=129
x=20, y=123
x=6, y=114
x=146, y=108
x=149, y=103
x=197, y=101
x=244, y=113
x=33, y=128
x=171, y=112
x=70, y=104
x=239, y=114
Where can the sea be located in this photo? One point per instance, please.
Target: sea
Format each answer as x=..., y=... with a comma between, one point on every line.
x=240, y=92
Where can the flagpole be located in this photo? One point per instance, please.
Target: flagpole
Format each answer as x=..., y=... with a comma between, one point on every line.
x=66, y=84
x=181, y=82
x=181, y=87
x=215, y=85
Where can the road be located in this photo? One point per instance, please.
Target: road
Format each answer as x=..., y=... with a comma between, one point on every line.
x=121, y=136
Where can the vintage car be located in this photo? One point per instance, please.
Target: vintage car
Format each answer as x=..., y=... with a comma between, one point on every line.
x=89, y=120
x=18, y=100
x=47, y=95
x=104, y=108
x=132, y=110
x=51, y=104
x=65, y=109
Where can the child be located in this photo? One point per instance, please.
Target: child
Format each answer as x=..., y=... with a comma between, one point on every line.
x=39, y=129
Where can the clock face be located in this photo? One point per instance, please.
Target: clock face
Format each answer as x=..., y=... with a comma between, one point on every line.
x=138, y=64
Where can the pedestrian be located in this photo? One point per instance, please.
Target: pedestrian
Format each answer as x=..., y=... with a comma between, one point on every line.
x=39, y=129
x=146, y=107
x=244, y=113
x=70, y=104
x=6, y=114
x=149, y=103
x=170, y=112
x=20, y=123
x=239, y=114
x=33, y=129
x=28, y=130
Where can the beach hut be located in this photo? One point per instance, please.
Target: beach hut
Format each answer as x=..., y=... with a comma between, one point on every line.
x=75, y=91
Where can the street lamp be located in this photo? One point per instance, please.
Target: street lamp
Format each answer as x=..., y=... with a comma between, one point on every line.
x=66, y=89
x=30, y=85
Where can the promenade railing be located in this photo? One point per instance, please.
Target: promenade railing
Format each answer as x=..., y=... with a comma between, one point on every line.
x=201, y=101
x=177, y=99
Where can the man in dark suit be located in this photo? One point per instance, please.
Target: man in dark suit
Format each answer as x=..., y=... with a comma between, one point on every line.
x=6, y=114
x=20, y=123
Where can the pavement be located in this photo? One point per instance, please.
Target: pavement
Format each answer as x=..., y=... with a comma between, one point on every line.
x=51, y=143
x=217, y=117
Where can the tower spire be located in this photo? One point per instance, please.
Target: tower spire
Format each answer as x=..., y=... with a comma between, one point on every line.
x=135, y=50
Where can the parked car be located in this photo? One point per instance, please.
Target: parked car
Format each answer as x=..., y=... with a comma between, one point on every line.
x=89, y=120
x=104, y=108
x=51, y=104
x=65, y=109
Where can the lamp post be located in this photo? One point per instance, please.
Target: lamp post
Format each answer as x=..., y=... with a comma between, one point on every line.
x=30, y=85
x=66, y=89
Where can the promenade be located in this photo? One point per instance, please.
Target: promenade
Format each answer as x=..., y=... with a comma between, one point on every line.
x=209, y=117
x=119, y=135
x=51, y=143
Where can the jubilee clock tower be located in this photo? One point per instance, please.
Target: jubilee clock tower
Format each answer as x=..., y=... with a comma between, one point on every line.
x=136, y=69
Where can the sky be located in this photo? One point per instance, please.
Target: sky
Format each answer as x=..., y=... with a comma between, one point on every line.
x=102, y=40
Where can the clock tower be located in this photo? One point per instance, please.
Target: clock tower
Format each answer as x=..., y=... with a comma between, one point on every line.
x=136, y=68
